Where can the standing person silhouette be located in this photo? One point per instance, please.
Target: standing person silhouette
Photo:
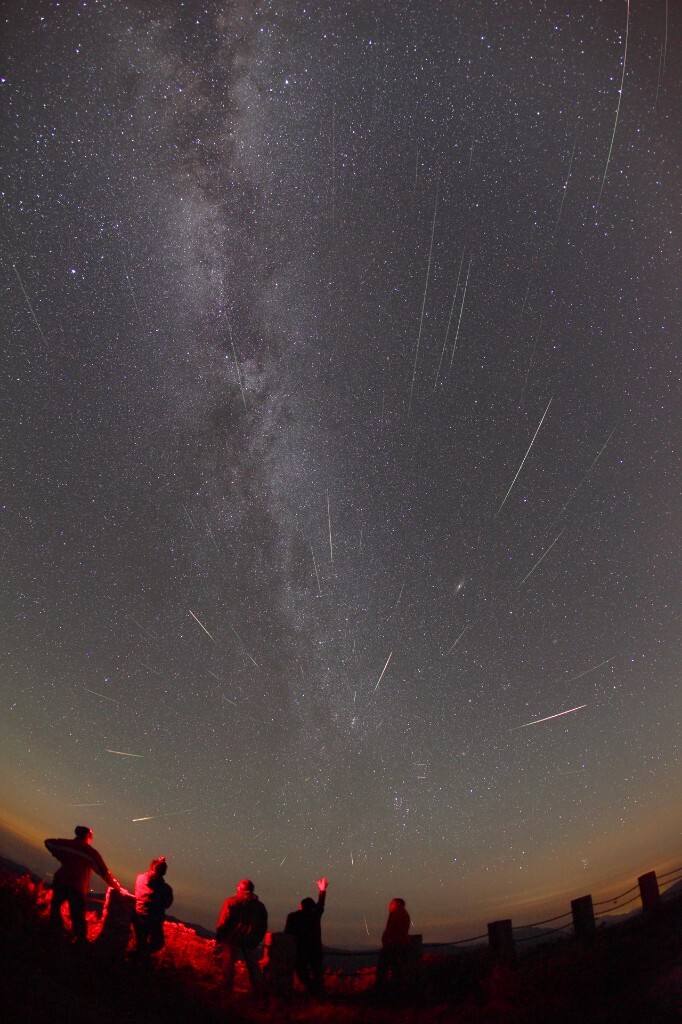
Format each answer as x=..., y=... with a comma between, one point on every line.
x=241, y=928
x=71, y=882
x=305, y=926
x=153, y=897
x=395, y=945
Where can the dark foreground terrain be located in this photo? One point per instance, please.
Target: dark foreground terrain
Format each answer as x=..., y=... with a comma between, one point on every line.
x=630, y=974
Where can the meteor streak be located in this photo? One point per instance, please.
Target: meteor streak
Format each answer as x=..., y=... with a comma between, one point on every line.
x=140, y=626
x=426, y=285
x=565, y=188
x=593, y=669
x=234, y=704
x=148, y=668
x=253, y=660
x=317, y=575
x=201, y=624
x=210, y=533
x=382, y=672
x=457, y=640
x=102, y=695
x=167, y=814
x=30, y=307
x=452, y=309
x=122, y=753
x=236, y=363
x=549, y=718
x=524, y=458
x=620, y=96
x=589, y=470
x=545, y=552
x=329, y=522
x=130, y=285
x=461, y=310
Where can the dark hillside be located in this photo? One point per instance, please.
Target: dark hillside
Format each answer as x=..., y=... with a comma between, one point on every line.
x=631, y=974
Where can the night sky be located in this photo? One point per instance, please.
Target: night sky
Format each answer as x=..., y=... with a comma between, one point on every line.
x=339, y=449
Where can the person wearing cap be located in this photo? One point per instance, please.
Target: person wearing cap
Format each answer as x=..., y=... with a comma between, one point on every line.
x=71, y=881
x=241, y=928
x=153, y=897
x=395, y=945
x=305, y=926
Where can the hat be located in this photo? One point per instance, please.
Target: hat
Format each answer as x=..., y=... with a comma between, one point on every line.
x=246, y=885
x=83, y=832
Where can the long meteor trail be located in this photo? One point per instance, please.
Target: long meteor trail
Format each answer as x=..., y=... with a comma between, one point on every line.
x=587, y=473
x=524, y=458
x=30, y=307
x=201, y=624
x=545, y=552
x=329, y=523
x=457, y=640
x=426, y=287
x=382, y=672
x=461, y=310
x=593, y=669
x=549, y=718
x=251, y=659
x=620, y=96
x=452, y=310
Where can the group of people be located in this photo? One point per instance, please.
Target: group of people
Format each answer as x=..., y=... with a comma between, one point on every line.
x=71, y=882
x=241, y=926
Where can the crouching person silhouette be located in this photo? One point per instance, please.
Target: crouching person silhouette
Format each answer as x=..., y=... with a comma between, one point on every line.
x=304, y=925
x=241, y=928
x=153, y=897
x=71, y=882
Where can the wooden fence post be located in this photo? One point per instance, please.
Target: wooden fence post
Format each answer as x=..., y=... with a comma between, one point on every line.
x=583, y=918
x=501, y=942
x=648, y=890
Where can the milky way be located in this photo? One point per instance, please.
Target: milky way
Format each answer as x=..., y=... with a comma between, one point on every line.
x=339, y=424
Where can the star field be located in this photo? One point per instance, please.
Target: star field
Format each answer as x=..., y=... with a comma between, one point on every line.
x=340, y=478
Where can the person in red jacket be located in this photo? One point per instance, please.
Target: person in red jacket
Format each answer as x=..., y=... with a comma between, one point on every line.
x=241, y=928
x=72, y=880
x=153, y=897
x=395, y=944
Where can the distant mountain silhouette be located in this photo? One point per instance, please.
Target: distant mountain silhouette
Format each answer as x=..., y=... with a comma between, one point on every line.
x=12, y=868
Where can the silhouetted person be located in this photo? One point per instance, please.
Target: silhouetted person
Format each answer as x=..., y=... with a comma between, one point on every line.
x=241, y=928
x=72, y=880
x=153, y=897
x=395, y=945
x=304, y=924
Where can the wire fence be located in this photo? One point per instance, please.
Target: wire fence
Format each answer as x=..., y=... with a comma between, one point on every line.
x=611, y=904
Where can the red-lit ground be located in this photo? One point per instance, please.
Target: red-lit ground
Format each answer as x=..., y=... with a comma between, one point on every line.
x=632, y=974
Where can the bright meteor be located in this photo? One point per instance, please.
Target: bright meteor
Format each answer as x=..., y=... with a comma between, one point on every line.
x=201, y=624
x=537, y=721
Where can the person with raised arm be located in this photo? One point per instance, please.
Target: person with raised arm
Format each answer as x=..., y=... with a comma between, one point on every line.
x=305, y=926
